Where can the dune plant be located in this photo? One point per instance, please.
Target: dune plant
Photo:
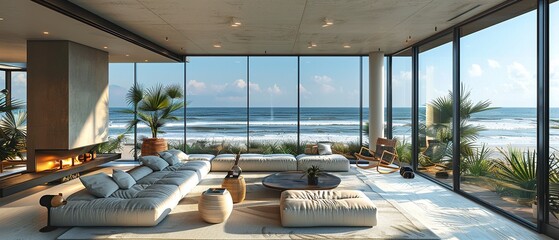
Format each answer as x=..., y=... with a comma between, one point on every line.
x=478, y=163
x=403, y=147
x=113, y=145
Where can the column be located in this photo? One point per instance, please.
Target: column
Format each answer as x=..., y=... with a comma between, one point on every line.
x=376, y=97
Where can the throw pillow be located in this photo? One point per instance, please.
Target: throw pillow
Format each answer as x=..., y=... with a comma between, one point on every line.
x=140, y=172
x=99, y=185
x=123, y=179
x=165, y=154
x=172, y=160
x=179, y=154
x=154, y=162
x=324, y=148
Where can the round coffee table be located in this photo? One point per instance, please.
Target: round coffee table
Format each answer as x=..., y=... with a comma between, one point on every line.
x=295, y=180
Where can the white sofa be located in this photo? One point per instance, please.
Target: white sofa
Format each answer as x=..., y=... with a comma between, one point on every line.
x=280, y=162
x=146, y=203
x=251, y=162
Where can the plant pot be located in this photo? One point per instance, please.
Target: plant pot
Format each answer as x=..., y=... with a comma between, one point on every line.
x=152, y=146
x=534, y=211
x=312, y=180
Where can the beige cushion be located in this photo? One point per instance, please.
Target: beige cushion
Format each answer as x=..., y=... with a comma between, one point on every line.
x=329, y=163
x=255, y=162
x=308, y=208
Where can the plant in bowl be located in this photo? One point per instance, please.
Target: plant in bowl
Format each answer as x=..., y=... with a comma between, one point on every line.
x=312, y=174
x=154, y=107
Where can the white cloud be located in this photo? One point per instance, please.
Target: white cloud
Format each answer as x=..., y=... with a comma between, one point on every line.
x=240, y=83
x=518, y=71
x=303, y=90
x=274, y=90
x=324, y=83
x=493, y=63
x=195, y=87
x=20, y=78
x=254, y=87
x=475, y=70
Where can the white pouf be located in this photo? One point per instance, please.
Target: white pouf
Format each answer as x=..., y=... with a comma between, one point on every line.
x=313, y=208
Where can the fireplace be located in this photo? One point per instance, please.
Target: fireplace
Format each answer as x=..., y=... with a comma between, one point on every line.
x=54, y=160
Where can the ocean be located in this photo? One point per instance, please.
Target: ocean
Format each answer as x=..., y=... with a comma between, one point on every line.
x=503, y=126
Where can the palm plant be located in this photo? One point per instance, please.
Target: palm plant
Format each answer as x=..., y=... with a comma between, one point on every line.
x=478, y=163
x=468, y=132
x=519, y=169
x=113, y=145
x=154, y=106
x=13, y=134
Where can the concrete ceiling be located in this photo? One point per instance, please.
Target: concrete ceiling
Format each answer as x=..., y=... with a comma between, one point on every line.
x=285, y=27
x=274, y=27
x=25, y=20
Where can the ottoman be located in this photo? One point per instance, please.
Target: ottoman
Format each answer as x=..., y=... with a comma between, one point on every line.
x=313, y=208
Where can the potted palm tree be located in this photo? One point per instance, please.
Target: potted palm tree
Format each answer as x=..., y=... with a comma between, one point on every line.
x=154, y=107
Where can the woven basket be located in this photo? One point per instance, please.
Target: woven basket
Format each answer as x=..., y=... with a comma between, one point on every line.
x=152, y=146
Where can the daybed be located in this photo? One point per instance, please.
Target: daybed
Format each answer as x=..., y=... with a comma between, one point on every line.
x=280, y=162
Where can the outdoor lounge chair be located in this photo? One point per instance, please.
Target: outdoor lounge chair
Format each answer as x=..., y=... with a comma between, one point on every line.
x=385, y=156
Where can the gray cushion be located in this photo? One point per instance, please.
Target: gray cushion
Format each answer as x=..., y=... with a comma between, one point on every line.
x=123, y=179
x=171, y=159
x=154, y=162
x=165, y=154
x=324, y=148
x=140, y=172
x=99, y=185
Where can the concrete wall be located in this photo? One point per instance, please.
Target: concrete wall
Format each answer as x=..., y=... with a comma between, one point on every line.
x=67, y=97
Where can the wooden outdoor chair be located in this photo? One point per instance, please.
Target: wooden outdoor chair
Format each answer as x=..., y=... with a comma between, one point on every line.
x=384, y=156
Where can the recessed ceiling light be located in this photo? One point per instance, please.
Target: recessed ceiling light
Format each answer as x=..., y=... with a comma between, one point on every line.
x=105, y=47
x=217, y=45
x=1, y=19
x=347, y=46
x=166, y=38
x=327, y=22
x=128, y=55
x=311, y=45
x=145, y=60
x=235, y=22
x=45, y=33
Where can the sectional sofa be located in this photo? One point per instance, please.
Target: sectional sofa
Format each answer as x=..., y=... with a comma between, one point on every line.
x=156, y=187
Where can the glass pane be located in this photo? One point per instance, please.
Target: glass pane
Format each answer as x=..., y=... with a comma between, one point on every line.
x=365, y=76
x=155, y=76
x=498, y=130
x=554, y=112
x=435, y=112
x=401, y=106
x=273, y=105
x=19, y=87
x=121, y=79
x=216, y=92
x=330, y=102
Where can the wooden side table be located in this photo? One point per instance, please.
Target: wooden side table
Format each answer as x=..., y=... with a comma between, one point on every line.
x=215, y=207
x=237, y=188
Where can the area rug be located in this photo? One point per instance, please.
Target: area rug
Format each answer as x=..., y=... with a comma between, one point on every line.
x=258, y=218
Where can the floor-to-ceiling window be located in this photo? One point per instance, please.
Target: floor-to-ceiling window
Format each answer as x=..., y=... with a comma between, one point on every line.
x=330, y=102
x=216, y=91
x=498, y=114
x=121, y=79
x=554, y=116
x=273, y=104
x=435, y=109
x=401, y=105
